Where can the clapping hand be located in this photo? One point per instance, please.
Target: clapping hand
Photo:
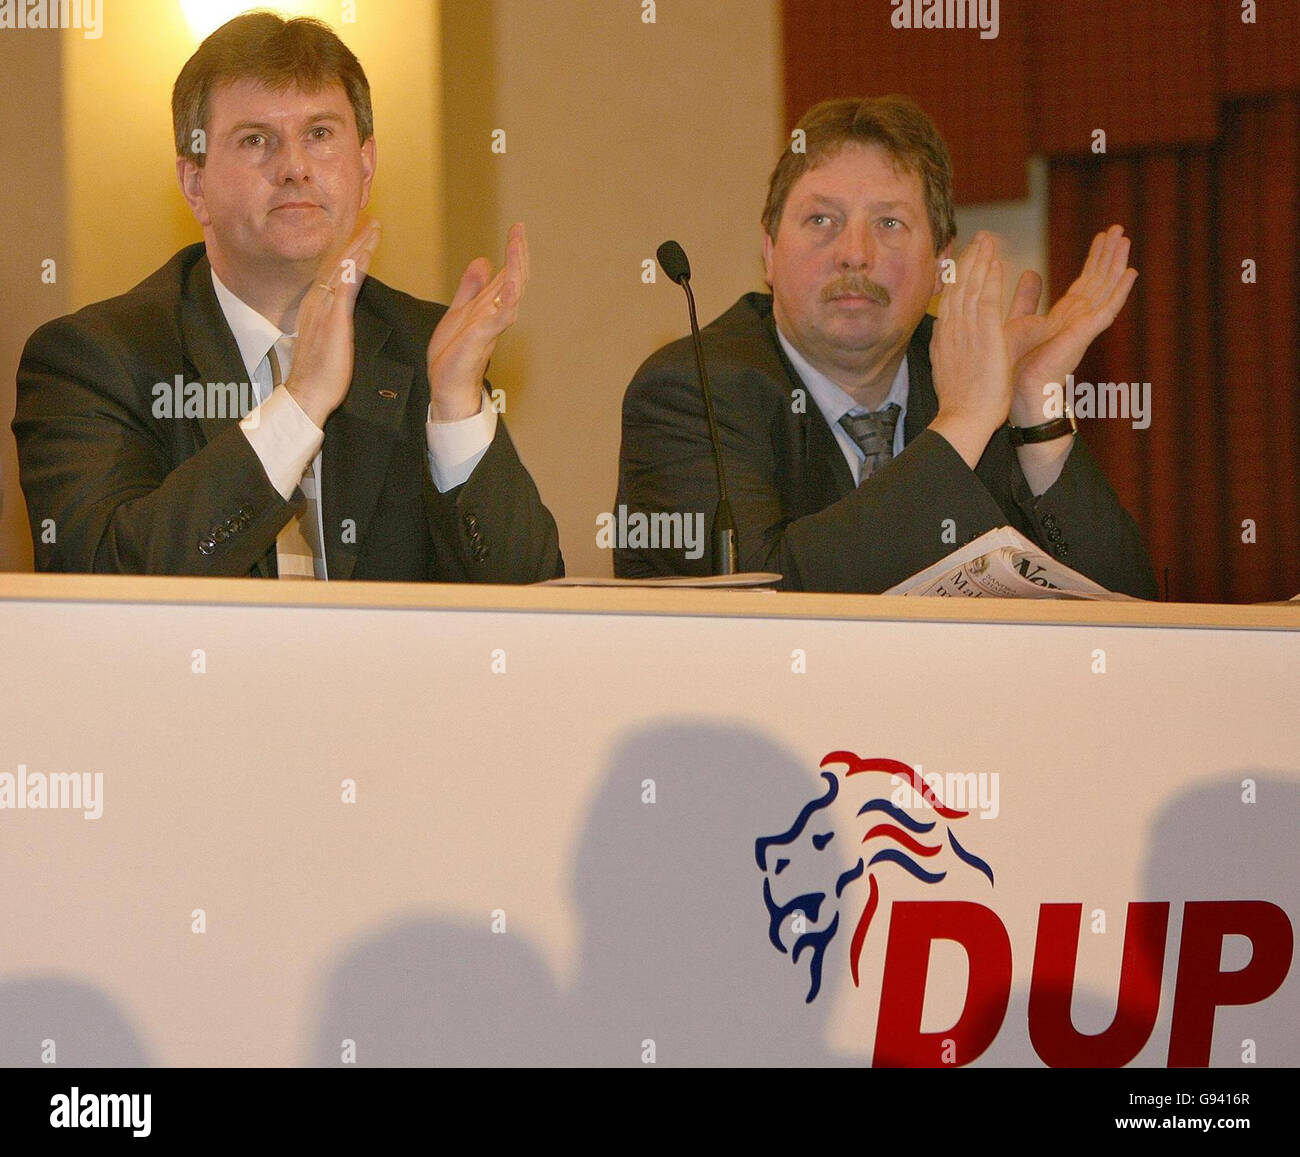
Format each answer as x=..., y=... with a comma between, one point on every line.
x=484, y=307
x=323, y=351
x=968, y=353
x=1045, y=349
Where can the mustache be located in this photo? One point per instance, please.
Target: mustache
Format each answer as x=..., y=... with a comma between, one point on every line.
x=851, y=286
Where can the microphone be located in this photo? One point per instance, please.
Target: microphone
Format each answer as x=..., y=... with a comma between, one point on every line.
x=724, y=555
x=672, y=260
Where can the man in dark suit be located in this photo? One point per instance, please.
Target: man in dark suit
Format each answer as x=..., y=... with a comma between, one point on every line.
x=863, y=440
x=259, y=406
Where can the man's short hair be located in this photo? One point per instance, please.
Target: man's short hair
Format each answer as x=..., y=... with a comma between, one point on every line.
x=260, y=46
x=897, y=125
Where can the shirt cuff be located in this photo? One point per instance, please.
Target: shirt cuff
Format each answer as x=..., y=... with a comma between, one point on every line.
x=456, y=448
x=284, y=439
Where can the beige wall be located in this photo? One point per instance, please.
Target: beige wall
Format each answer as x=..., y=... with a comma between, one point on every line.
x=32, y=231
x=618, y=134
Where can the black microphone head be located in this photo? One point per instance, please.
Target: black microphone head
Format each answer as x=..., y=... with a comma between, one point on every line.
x=672, y=260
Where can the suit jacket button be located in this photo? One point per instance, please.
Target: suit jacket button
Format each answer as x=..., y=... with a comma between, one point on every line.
x=480, y=552
x=233, y=525
x=1049, y=521
x=471, y=523
x=245, y=513
x=1054, y=535
x=1062, y=549
x=219, y=533
x=207, y=544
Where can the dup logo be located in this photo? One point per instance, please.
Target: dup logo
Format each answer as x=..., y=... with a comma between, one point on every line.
x=931, y=841
x=894, y=839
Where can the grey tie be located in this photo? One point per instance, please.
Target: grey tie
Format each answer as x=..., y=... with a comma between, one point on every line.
x=874, y=434
x=297, y=547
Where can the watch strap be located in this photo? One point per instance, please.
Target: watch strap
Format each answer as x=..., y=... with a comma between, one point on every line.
x=1044, y=432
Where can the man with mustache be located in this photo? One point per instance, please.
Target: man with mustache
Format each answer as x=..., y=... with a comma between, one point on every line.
x=862, y=439
x=372, y=452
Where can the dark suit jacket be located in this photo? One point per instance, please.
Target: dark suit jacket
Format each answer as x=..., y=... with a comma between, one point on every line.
x=796, y=508
x=129, y=492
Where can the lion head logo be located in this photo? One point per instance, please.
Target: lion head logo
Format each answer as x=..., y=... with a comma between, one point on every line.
x=918, y=840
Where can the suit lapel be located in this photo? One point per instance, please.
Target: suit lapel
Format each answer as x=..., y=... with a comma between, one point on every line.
x=359, y=440
x=922, y=403
x=827, y=477
x=212, y=356
x=210, y=347
x=828, y=471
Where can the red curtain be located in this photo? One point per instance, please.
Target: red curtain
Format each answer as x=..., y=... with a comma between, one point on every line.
x=1215, y=481
x=845, y=47
x=1201, y=111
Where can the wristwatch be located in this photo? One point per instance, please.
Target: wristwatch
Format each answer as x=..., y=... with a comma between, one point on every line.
x=1046, y=431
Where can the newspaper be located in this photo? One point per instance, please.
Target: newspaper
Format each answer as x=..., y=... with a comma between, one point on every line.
x=1003, y=564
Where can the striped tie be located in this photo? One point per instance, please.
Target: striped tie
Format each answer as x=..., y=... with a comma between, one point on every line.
x=297, y=547
x=874, y=434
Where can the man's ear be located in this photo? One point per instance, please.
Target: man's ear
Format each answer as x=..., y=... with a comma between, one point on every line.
x=190, y=176
x=945, y=254
x=369, y=159
x=768, y=246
